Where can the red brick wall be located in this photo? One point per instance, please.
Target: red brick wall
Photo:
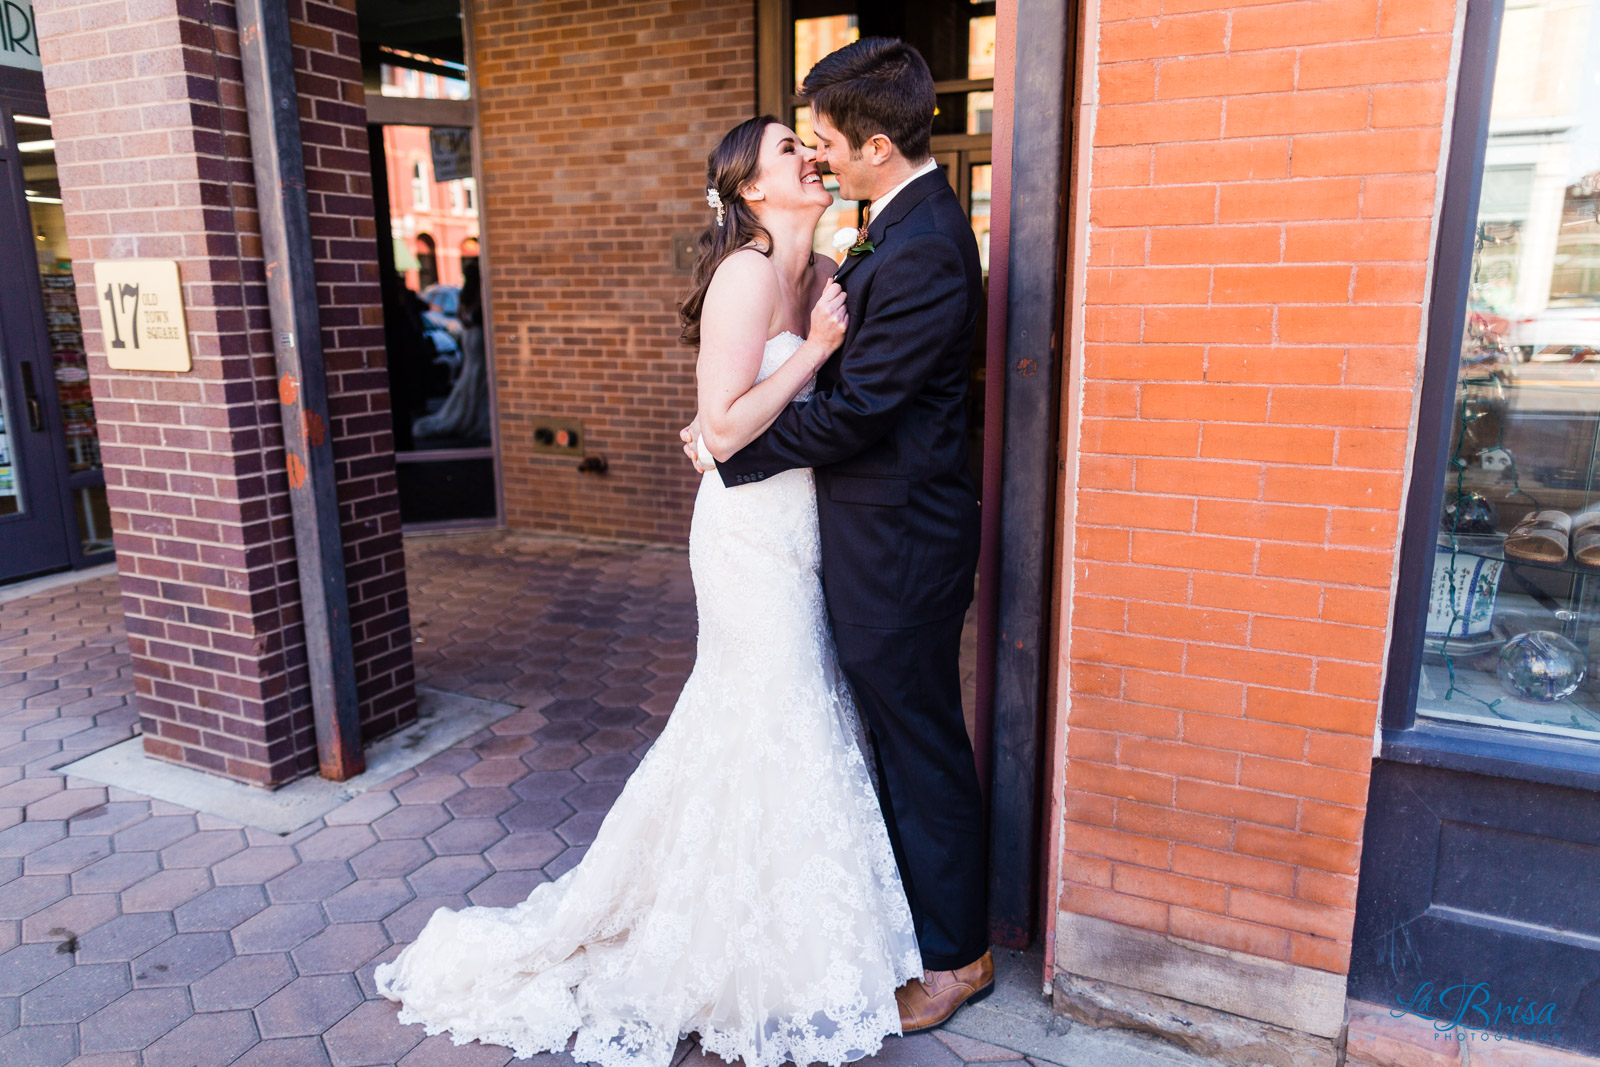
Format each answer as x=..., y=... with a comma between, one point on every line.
x=1262, y=179
x=155, y=162
x=596, y=119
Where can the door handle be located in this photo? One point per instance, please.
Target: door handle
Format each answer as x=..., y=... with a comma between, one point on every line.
x=30, y=397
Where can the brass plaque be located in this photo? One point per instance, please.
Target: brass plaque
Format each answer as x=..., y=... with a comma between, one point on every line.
x=141, y=314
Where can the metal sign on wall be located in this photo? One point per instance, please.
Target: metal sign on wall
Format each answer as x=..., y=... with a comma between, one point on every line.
x=19, y=43
x=452, y=152
x=141, y=313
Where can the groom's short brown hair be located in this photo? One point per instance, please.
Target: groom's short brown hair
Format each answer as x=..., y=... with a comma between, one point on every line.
x=875, y=85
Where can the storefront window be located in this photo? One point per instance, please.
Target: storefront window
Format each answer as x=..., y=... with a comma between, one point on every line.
x=1513, y=618
x=69, y=362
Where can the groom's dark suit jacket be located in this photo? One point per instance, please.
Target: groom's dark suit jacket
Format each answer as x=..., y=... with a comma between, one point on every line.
x=886, y=430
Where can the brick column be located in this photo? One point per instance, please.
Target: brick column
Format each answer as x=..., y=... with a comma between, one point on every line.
x=150, y=129
x=1261, y=185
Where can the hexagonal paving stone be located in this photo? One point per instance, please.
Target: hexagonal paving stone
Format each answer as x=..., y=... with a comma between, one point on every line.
x=279, y=928
x=27, y=966
x=109, y=818
x=411, y=820
x=439, y=1051
x=594, y=796
x=581, y=828
x=335, y=843
x=155, y=833
x=549, y=755
x=73, y=916
x=308, y=1005
x=448, y=874
x=565, y=862
x=494, y=772
x=370, y=1034
x=254, y=865
x=461, y=837
x=115, y=873
x=242, y=982
x=108, y=1059
x=429, y=790
x=38, y=1046
x=315, y=880
x=533, y=815
x=285, y=1052
x=166, y=890
x=182, y=959
x=222, y=908
x=340, y=948
x=203, y=849
x=134, y=1021
x=67, y=855
x=481, y=803
x=125, y=937
x=505, y=888
x=522, y=851
x=545, y=785
x=23, y=896
x=389, y=859
x=75, y=994
x=363, y=809
x=66, y=803
x=406, y=922
x=213, y=1037
x=609, y=767
x=369, y=899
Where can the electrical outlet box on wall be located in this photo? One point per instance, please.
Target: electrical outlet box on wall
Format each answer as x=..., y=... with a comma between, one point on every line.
x=557, y=437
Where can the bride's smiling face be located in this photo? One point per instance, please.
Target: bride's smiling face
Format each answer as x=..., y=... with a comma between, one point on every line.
x=788, y=179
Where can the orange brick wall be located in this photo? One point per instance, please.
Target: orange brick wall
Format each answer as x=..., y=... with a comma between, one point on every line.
x=596, y=119
x=1261, y=186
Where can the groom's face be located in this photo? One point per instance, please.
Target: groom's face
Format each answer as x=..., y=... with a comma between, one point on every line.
x=854, y=172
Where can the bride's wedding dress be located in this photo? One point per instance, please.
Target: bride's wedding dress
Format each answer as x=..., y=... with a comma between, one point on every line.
x=742, y=886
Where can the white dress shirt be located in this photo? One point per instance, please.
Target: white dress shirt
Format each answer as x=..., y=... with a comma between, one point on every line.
x=882, y=202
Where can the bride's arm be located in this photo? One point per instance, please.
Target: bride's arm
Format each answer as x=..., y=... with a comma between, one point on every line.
x=738, y=310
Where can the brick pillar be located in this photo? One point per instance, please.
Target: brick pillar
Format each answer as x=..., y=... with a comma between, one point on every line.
x=155, y=162
x=1261, y=186
x=595, y=129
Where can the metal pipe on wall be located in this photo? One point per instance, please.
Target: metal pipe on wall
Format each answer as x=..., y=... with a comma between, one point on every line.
x=272, y=107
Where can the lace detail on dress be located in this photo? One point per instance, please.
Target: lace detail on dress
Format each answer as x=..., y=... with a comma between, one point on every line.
x=743, y=886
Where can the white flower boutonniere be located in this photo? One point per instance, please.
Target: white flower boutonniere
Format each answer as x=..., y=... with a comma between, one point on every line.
x=845, y=239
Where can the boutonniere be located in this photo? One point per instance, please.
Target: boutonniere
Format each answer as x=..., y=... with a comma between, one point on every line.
x=852, y=241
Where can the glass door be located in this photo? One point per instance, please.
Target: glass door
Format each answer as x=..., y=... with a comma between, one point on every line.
x=421, y=134
x=53, y=510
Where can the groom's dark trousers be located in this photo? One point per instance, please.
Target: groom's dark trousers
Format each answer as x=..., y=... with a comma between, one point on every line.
x=886, y=435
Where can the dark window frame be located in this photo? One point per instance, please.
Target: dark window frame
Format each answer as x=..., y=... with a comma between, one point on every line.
x=1405, y=737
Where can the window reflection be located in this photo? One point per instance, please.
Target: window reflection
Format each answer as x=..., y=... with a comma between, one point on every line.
x=1515, y=593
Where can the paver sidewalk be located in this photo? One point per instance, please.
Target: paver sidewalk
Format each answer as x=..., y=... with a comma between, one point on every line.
x=133, y=931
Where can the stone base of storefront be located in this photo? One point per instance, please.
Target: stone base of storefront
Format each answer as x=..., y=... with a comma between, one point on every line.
x=1226, y=1006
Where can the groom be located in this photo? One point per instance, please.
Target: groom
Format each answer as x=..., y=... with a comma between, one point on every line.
x=886, y=435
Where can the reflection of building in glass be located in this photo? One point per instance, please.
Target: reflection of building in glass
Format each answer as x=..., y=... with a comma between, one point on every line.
x=1539, y=268
x=428, y=219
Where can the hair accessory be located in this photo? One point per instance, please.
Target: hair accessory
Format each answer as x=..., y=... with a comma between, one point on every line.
x=714, y=199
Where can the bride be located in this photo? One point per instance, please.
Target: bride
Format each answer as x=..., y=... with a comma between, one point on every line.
x=743, y=887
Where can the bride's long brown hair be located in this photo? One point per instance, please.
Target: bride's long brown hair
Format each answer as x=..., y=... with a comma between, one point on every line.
x=731, y=165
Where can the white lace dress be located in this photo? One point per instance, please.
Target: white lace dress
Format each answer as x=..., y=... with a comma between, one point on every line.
x=742, y=886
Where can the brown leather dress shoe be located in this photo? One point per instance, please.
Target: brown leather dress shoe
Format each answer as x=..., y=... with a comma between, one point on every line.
x=930, y=1001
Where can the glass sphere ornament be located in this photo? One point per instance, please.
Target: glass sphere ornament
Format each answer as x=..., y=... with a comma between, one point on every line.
x=1541, y=666
x=1471, y=514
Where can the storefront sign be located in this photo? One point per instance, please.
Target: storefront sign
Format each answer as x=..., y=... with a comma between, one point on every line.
x=19, y=44
x=141, y=314
x=452, y=152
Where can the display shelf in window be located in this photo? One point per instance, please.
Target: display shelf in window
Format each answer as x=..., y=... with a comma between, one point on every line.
x=71, y=369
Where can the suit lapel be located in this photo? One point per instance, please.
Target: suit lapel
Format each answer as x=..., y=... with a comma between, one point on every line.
x=899, y=208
